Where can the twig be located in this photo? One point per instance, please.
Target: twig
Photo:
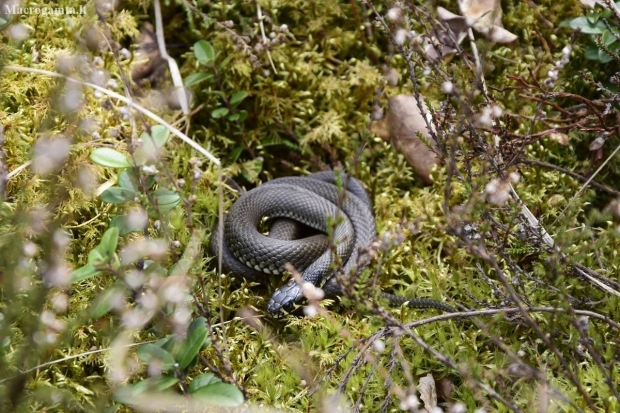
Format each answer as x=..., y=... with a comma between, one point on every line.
x=259, y=11
x=172, y=64
x=584, y=186
x=126, y=100
x=571, y=174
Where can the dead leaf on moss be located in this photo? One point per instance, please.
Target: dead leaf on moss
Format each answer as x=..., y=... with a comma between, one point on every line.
x=484, y=16
x=428, y=393
x=560, y=138
x=402, y=125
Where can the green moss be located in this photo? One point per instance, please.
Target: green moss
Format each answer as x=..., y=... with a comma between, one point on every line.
x=314, y=112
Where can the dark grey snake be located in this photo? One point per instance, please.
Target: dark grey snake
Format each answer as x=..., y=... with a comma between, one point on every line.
x=300, y=211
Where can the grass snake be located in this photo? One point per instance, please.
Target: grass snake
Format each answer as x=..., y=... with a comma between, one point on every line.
x=299, y=212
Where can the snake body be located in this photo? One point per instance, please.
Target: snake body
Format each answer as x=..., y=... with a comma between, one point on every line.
x=300, y=211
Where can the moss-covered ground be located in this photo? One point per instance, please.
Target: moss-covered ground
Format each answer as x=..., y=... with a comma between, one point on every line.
x=307, y=107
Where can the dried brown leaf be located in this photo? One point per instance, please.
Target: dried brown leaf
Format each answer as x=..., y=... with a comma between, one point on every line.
x=484, y=16
x=404, y=124
x=428, y=393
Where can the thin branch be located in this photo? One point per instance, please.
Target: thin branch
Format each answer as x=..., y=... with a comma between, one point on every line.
x=571, y=174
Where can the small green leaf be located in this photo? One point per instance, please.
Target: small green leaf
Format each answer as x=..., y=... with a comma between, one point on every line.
x=196, y=323
x=125, y=394
x=582, y=23
x=150, y=352
x=242, y=115
x=203, y=380
x=166, y=199
x=109, y=157
x=192, y=346
x=591, y=52
x=108, y=243
x=592, y=17
x=199, y=323
x=238, y=98
x=84, y=273
x=158, y=383
x=128, y=393
x=172, y=344
x=160, y=135
x=608, y=38
x=4, y=21
x=219, y=394
x=151, y=144
x=117, y=195
x=195, y=78
x=204, y=52
x=127, y=179
x=219, y=112
x=120, y=222
x=603, y=57
x=103, y=304
x=233, y=117
x=96, y=257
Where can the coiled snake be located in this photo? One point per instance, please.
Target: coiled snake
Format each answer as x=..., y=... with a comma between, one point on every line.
x=300, y=211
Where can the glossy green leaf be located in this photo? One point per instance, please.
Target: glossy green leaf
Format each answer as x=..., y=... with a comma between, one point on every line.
x=4, y=21
x=203, y=380
x=159, y=135
x=603, y=57
x=127, y=179
x=242, y=115
x=592, y=17
x=198, y=323
x=608, y=38
x=204, y=52
x=117, y=195
x=173, y=345
x=108, y=243
x=196, y=78
x=109, y=157
x=149, y=352
x=219, y=394
x=582, y=23
x=158, y=383
x=127, y=394
x=84, y=273
x=238, y=98
x=103, y=304
x=219, y=112
x=151, y=144
x=124, y=227
x=193, y=344
x=96, y=257
x=166, y=199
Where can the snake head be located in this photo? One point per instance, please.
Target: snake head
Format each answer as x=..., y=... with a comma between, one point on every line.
x=285, y=298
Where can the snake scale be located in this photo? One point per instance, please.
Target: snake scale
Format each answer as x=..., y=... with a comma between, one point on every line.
x=299, y=212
